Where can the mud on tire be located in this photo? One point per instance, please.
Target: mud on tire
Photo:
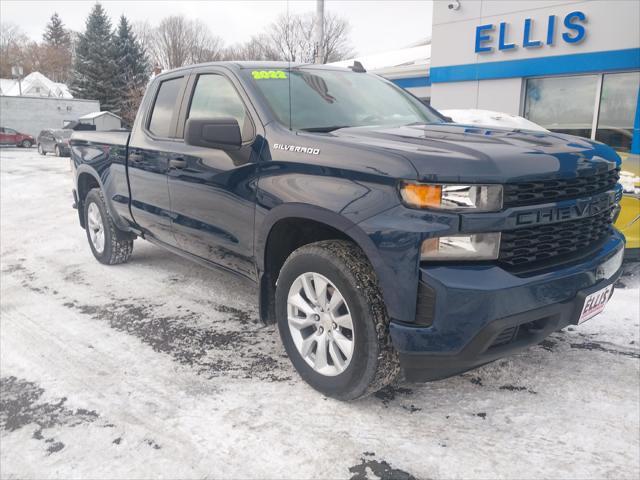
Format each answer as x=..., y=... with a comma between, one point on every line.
x=118, y=245
x=374, y=363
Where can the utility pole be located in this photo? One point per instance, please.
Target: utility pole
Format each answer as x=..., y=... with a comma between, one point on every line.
x=17, y=72
x=319, y=31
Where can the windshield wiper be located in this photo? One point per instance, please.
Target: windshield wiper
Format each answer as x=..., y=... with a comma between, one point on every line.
x=325, y=129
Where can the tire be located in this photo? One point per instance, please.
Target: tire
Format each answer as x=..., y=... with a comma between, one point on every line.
x=57, y=151
x=41, y=150
x=26, y=144
x=374, y=362
x=116, y=246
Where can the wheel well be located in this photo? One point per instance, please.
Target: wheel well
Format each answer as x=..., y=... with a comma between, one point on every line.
x=86, y=182
x=286, y=236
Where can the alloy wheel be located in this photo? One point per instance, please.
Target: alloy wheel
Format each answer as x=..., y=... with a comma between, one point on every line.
x=320, y=324
x=96, y=227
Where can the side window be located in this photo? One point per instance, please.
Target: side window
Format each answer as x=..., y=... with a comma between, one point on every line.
x=163, y=108
x=214, y=96
x=10, y=131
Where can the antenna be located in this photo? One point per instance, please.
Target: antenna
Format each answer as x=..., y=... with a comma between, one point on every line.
x=357, y=67
x=289, y=75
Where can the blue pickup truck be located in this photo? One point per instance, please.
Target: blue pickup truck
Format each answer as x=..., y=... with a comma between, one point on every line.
x=383, y=240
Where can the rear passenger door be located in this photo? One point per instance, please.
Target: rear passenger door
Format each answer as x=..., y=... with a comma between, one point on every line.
x=212, y=190
x=152, y=147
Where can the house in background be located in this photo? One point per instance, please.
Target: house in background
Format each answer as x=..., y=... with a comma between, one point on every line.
x=34, y=85
x=37, y=103
x=102, y=120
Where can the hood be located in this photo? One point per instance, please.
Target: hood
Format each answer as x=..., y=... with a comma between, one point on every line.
x=465, y=153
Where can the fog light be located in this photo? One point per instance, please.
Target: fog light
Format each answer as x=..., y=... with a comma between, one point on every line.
x=477, y=246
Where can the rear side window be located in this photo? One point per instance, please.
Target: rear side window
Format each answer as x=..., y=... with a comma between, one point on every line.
x=215, y=97
x=163, y=108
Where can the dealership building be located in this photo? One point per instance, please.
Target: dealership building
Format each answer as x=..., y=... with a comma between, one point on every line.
x=570, y=66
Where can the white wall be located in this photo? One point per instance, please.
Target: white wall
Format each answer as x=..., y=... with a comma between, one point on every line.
x=104, y=122
x=610, y=25
x=33, y=114
x=501, y=95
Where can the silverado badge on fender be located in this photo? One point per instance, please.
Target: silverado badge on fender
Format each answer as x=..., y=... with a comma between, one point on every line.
x=295, y=148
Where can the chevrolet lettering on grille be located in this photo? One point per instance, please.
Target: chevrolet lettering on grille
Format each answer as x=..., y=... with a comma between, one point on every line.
x=581, y=209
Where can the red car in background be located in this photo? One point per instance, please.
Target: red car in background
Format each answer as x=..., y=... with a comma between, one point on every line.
x=9, y=136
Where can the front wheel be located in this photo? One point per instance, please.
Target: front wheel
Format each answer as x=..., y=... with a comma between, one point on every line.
x=57, y=151
x=108, y=244
x=333, y=322
x=41, y=150
x=26, y=144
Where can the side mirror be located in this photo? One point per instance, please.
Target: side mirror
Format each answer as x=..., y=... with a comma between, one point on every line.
x=448, y=119
x=223, y=133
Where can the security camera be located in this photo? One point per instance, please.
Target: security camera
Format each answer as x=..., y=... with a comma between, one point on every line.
x=455, y=5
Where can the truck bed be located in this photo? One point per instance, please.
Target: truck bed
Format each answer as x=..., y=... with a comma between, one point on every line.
x=111, y=137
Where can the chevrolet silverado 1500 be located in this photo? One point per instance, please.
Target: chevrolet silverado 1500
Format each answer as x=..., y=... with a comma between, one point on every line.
x=382, y=239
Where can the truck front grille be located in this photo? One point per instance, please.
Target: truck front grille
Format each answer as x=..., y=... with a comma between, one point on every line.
x=518, y=194
x=553, y=243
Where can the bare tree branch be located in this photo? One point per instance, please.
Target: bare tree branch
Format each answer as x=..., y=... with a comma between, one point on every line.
x=291, y=38
x=179, y=41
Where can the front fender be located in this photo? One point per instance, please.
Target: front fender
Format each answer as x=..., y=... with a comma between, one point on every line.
x=386, y=277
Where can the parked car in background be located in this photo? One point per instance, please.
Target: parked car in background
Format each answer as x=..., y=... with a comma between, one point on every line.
x=54, y=141
x=9, y=136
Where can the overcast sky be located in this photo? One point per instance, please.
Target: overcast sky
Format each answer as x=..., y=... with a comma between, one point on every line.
x=377, y=26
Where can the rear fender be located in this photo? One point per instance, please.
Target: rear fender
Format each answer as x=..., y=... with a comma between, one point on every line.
x=84, y=169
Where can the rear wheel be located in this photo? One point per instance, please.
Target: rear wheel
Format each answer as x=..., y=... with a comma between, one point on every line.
x=333, y=322
x=108, y=244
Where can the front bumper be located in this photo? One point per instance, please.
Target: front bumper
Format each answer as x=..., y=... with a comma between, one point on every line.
x=483, y=313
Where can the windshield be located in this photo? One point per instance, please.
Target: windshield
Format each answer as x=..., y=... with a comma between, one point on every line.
x=324, y=100
x=63, y=133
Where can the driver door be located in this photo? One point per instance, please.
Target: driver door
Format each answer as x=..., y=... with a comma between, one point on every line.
x=212, y=190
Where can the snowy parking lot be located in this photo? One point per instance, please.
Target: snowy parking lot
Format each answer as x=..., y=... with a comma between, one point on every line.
x=160, y=368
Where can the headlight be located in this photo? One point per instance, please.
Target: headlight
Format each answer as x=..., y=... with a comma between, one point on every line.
x=478, y=246
x=479, y=198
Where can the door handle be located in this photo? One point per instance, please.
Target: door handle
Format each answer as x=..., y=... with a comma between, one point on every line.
x=177, y=163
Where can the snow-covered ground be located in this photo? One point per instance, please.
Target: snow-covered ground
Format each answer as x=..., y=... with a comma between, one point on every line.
x=159, y=368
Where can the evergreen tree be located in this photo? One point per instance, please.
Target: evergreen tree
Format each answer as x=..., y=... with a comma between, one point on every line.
x=133, y=69
x=55, y=35
x=95, y=74
x=55, y=51
x=133, y=65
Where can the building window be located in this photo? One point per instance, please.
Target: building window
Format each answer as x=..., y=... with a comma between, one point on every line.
x=600, y=107
x=562, y=104
x=618, y=103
